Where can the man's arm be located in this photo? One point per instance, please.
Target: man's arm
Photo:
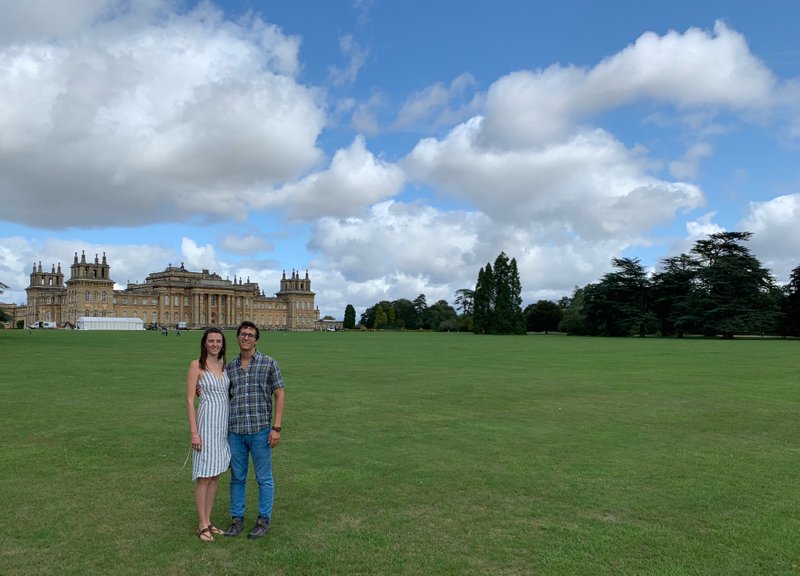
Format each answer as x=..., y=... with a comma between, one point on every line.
x=274, y=435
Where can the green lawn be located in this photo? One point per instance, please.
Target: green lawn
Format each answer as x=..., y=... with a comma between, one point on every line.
x=413, y=454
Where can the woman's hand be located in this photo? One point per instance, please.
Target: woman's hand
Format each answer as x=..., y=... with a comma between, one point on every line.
x=197, y=442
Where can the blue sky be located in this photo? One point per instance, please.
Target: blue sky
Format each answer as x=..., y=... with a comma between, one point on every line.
x=393, y=148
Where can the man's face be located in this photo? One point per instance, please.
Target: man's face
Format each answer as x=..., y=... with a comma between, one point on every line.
x=247, y=339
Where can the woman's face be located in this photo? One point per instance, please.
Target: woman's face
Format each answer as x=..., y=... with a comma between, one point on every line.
x=214, y=344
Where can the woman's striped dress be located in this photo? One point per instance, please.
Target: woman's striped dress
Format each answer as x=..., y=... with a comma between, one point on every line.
x=214, y=457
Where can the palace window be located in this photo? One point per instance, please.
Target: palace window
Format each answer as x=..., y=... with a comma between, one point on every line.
x=105, y=298
x=87, y=297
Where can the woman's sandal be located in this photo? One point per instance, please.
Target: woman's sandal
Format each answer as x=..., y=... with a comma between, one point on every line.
x=205, y=535
x=214, y=530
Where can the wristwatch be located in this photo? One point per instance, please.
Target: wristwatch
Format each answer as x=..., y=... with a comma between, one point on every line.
x=276, y=428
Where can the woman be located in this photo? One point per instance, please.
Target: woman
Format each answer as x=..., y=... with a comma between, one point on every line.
x=211, y=454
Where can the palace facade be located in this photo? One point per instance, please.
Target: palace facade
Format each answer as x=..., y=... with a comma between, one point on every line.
x=174, y=296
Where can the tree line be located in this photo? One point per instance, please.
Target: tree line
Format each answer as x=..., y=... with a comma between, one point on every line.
x=493, y=307
x=719, y=288
x=404, y=314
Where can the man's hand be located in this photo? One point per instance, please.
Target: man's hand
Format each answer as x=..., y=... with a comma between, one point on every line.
x=274, y=438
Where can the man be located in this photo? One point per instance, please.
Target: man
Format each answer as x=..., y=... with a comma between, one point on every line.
x=255, y=380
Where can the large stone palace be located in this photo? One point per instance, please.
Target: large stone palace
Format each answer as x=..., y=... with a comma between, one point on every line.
x=174, y=296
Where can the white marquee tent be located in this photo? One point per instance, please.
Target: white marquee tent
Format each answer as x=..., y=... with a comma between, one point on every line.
x=94, y=323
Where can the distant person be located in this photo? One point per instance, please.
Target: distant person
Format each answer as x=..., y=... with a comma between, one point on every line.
x=211, y=454
x=252, y=431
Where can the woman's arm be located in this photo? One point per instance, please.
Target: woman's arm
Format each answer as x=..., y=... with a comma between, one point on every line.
x=192, y=376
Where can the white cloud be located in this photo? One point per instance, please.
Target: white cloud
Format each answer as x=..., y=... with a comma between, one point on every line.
x=197, y=257
x=589, y=184
x=355, y=180
x=396, y=238
x=128, y=262
x=688, y=166
x=356, y=57
x=152, y=123
x=248, y=244
x=703, y=227
x=776, y=233
x=691, y=69
x=365, y=115
x=439, y=105
x=35, y=19
x=402, y=250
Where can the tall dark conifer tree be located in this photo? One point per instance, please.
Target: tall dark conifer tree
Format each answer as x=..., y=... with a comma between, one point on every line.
x=349, y=317
x=498, y=299
x=483, y=304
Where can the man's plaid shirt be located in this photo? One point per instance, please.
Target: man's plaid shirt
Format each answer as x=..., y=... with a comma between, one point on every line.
x=251, y=393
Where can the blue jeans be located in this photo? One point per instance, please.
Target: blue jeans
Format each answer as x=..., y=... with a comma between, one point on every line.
x=257, y=446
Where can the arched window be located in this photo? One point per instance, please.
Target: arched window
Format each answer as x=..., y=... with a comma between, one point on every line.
x=87, y=296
